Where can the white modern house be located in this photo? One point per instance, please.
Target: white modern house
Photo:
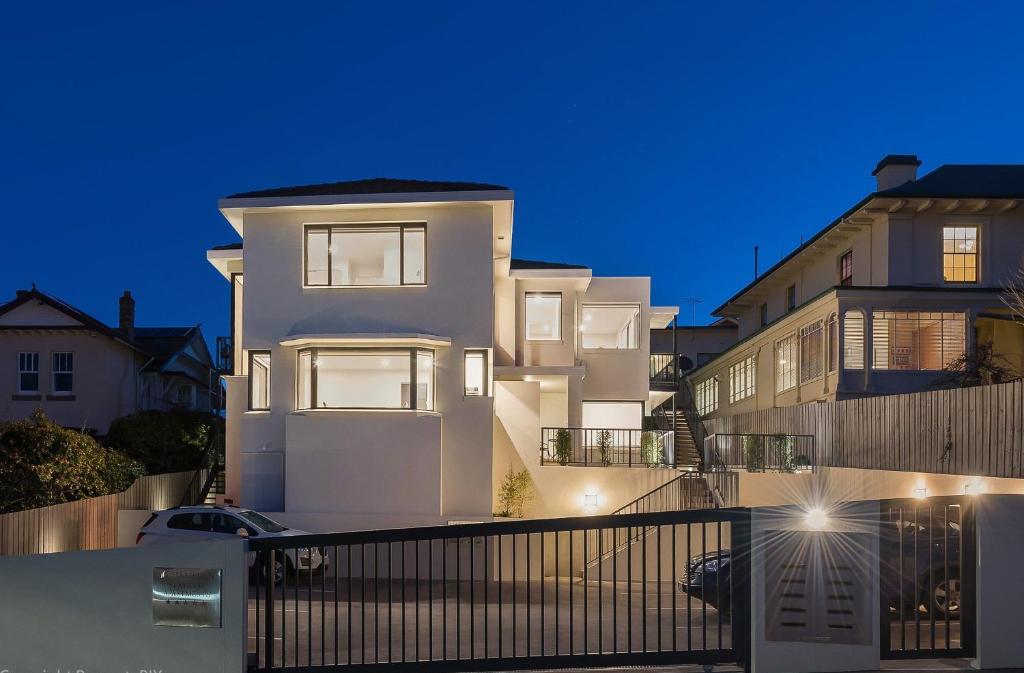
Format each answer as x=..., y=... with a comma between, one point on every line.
x=392, y=362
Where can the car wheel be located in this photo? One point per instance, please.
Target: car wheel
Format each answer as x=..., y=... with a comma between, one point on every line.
x=944, y=597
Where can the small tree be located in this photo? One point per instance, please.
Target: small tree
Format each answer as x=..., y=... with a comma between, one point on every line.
x=516, y=490
x=42, y=464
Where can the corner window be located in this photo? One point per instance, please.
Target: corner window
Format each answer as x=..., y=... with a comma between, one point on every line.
x=960, y=254
x=365, y=378
x=785, y=364
x=846, y=268
x=543, y=316
x=363, y=255
x=28, y=372
x=259, y=380
x=853, y=340
x=812, y=354
x=475, y=368
x=610, y=326
x=791, y=297
x=742, y=376
x=916, y=340
x=763, y=319
x=706, y=396
x=63, y=373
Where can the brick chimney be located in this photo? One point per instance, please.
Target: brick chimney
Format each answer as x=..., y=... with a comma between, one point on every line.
x=896, y=169
x=126, y=316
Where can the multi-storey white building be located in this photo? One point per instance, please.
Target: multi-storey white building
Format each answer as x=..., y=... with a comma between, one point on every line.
x=392, y=362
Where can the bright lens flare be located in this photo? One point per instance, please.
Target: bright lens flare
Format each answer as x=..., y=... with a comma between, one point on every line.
x=816, y=519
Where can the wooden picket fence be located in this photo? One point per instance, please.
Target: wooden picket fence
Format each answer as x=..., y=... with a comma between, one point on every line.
x=90, y=523
x=974, y=431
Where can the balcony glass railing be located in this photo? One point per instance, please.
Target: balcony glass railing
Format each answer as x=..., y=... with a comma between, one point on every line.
x=606, y=447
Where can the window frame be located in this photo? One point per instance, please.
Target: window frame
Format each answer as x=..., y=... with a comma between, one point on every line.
x=250, y=355
x=411, y=352
x=54, y=372
x=401, y=226
x=526, y=316
x=976, y=254
x=21, y=372
x=636, y=324
x=844, y=280
x=748, y=365
x=485, y=390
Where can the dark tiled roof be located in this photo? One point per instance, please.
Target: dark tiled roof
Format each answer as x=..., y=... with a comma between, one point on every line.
x=533, y=264
x=370, y=186
x=162, y=343
x=228, y=246
x=963, y=181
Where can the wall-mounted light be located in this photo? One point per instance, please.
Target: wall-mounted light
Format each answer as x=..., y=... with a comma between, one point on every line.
x=921, y=492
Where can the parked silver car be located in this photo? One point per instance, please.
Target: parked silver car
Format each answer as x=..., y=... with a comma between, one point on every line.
x=219, y=522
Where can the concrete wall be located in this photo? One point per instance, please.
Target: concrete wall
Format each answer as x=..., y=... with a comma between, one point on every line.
x=92, y=611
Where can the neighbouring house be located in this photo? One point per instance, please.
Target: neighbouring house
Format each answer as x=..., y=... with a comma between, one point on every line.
x=881, y=300
x=84, y=373
x=391, y=361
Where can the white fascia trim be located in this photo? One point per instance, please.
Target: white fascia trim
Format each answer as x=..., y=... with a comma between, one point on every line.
x=367, y=339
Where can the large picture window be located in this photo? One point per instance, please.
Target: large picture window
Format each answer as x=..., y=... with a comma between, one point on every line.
x=742, y=376
x=543, y=316
x=916, y=340
x=811, y=352
x=365, y=378
x=785, y=364
x=360, y=255
x=612, y=326
x=707, y=396
x=960, y=254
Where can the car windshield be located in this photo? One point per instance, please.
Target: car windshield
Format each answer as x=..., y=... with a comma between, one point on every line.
x=262, y=522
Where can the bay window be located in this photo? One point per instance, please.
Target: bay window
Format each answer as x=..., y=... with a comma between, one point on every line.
x=610, y=326
x=365, y=378
x=543, y=316
x=360, y=255
x=811, y=352
x=916, y=340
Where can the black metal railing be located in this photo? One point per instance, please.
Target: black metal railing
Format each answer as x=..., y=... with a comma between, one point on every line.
x=664, y=368
x=504, y=595
x=596, y=447
x=225, y=355
x=927, y=571
x=759, y=453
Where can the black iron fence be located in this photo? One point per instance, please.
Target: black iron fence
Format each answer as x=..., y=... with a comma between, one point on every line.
x=759, y=453
x=506, y=595
x=607, y=447
x=927, y=565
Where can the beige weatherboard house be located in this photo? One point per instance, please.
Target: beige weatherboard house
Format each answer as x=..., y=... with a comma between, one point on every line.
x=882, y=299
x=393, y=362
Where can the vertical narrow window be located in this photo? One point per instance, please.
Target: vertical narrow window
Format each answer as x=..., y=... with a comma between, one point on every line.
x=259, y=380
x=853, y=340
x=791, y=297
x=63, y=373
x=846, y=268
x=811, y=352
x=28, y=372
x=832, y=331
x=707, y=396
x=543, y=316
x=785, y=364
x=476, y=378
x=960, y=254
x=763, y=320
x=742, y=379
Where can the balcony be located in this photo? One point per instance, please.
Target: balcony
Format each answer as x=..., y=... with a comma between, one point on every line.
x=759, y=453
x=607, y=447
x=664, y=371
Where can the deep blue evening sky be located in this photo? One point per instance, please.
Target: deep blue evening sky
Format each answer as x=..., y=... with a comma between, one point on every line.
x=642, y=139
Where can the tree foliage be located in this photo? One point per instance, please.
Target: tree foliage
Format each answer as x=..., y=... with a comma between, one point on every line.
x=42, y=463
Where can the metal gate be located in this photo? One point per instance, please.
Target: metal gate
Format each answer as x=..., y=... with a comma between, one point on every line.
x=653, y=588
x=927, y=566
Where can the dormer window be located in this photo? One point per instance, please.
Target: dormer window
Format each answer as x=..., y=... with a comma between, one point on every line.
x=365, y=255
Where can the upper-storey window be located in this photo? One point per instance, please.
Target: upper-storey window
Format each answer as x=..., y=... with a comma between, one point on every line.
x=366, y=255
x=846, y=268
x=915, y=340
x=614, y=326
x=960, y=254
x=365, y=378
x=543, y=316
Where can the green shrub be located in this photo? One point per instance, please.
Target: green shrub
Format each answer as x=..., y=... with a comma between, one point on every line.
x=165, y=441
x=42, y=464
